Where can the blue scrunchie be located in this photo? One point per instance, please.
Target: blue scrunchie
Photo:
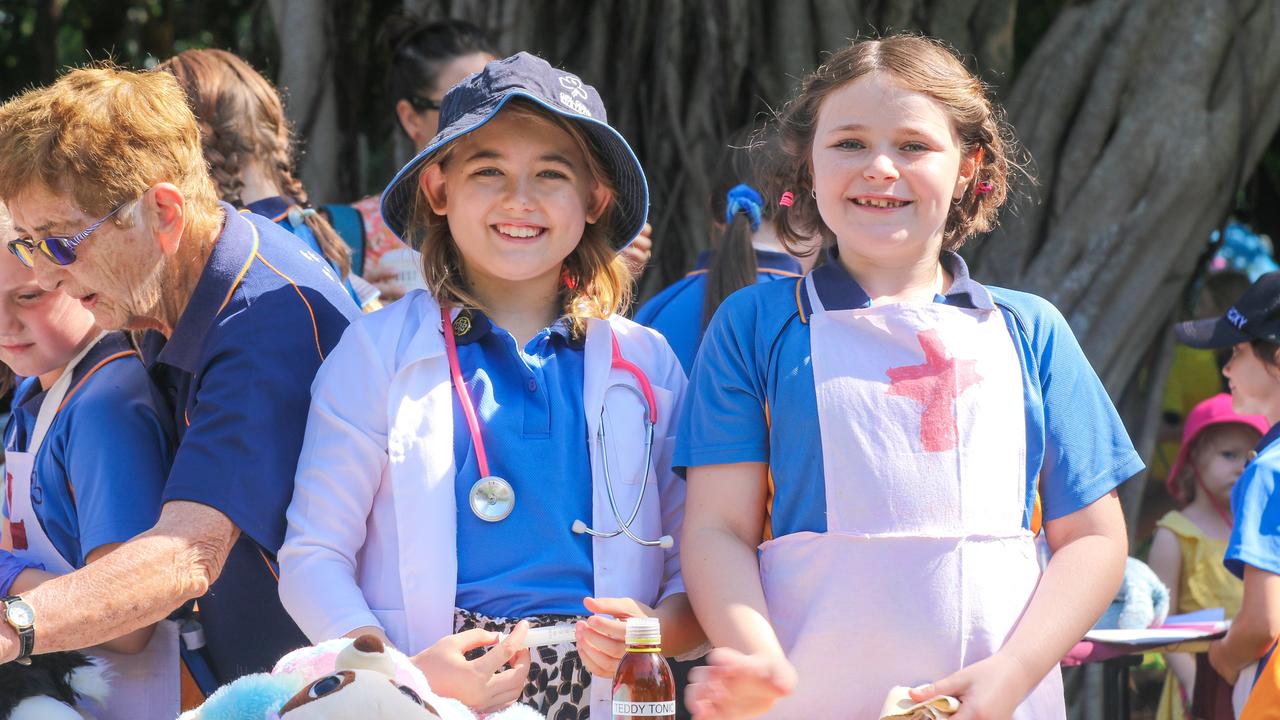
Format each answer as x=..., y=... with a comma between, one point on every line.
x=744, y=199
x=11, y=566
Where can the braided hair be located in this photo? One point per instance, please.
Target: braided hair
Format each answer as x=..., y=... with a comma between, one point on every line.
x=242, y=122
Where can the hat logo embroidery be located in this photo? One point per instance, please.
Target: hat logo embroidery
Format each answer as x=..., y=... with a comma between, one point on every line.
x=575, y=90
x=1236, y=318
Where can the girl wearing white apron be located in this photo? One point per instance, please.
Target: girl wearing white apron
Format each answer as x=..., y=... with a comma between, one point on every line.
x=891, y=542
x=86, y=453
x=498, y=449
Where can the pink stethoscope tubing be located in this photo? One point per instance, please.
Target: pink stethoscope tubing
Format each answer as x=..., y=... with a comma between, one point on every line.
x=618, y=362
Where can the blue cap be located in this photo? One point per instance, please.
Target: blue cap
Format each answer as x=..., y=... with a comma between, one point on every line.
x=477, y=99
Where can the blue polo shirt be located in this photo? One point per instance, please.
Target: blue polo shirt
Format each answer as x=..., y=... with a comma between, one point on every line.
x=756, y=355
x=276, y=209
x=529, y=405
x=1255, y=505
x=101, y=468
x=676, y=312
x=237, y=370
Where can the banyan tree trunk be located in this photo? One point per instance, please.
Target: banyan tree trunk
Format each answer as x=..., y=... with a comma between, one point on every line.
x=1142, y=118
x=309, y=80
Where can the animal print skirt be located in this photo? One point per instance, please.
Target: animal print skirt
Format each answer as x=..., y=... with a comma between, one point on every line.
x=559, y=685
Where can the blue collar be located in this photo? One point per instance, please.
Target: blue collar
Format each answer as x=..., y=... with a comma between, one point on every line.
x=838, y=290
x=30, y=395
x=765, y=260
x=481, y=325
x=272, y=208
x=232, y=252
x=1272, y=435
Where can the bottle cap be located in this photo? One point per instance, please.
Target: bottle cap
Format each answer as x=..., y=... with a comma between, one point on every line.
x=643, y=631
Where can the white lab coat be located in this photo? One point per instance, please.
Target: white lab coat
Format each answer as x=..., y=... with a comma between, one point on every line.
x=372, y=525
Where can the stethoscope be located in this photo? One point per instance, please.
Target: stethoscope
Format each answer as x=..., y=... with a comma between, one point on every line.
x=492, y=498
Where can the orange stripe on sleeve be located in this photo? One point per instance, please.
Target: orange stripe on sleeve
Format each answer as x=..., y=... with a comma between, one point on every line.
x=768, y=503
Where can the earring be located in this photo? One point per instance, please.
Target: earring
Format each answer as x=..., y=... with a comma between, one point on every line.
x=813, y=194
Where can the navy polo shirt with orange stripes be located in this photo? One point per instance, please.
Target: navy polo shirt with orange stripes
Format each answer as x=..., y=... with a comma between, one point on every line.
x=101, y=468
x=676, y=311
x=237, y=369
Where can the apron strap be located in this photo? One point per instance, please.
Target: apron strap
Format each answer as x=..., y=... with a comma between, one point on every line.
x=53, y=399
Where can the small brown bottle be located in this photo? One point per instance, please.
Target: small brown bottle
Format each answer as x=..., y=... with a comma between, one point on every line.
x=643, y=686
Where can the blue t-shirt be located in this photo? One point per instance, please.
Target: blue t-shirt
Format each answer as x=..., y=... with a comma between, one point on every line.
x=756, y=355
x=676, y=312
x=276, y=209
x=529, y=405
x=102, y=465
x=1255, y=504
x=237, y=370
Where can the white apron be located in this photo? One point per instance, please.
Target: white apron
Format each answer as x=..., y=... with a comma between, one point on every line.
x=144, y=686
x=925, y=566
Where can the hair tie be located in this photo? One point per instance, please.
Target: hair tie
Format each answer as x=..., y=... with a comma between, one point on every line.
x=787, y=200
x=298, y=216
x=743, y=198
x=983, y=188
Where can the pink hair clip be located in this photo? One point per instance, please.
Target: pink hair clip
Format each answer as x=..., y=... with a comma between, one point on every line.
x=984, y=187
x=787, y=199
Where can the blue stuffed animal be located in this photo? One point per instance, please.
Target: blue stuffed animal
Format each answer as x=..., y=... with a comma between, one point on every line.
x=1142, y=601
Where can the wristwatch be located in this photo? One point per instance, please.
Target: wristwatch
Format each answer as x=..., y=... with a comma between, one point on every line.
x=22, y=618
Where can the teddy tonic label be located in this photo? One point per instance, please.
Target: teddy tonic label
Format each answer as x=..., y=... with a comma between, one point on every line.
x=644, y=709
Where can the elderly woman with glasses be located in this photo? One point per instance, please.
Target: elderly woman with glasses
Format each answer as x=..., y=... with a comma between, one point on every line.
x=113, y=205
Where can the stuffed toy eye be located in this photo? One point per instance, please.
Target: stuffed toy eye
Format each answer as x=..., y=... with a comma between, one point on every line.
x=409, y=693
x=328, y=685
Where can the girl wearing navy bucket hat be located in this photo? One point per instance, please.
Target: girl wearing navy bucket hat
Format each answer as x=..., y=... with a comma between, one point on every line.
x=509, y=458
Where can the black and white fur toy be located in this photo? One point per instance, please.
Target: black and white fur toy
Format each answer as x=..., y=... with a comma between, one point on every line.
x=51, y=686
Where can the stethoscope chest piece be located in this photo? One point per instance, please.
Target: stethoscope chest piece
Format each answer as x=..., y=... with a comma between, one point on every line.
x=492, y=499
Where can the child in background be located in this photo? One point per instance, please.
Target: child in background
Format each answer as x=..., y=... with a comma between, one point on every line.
x=891, y=542
x=249, y=149
x=745, y=250
x=1186, y=552
x=87, y=451
x=455, y=488
x=1246, y=658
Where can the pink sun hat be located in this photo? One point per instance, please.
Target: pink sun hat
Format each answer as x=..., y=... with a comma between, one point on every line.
x=1214, y=411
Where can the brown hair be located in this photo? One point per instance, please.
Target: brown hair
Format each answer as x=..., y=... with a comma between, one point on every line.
x=105, y=135
x=242, y=120
x=733, y=265
x=919, y=64
x=1184, y=484
x=597, y=283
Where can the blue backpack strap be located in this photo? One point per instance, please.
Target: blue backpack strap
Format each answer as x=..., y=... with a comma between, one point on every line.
x=347, y=221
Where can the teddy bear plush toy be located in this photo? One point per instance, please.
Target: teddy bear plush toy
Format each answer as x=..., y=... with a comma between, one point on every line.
x=361, y=678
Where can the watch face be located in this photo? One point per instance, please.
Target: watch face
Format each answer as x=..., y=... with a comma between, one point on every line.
x=20, y=614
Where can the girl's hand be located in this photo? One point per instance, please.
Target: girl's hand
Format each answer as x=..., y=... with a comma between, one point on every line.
x=638, y=252
x=736, y=686
x=602, y=640
x=481, y=684
x=990, y=689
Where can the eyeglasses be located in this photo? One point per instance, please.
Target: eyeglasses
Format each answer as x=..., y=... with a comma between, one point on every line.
x=421, y=104
x=61, y=250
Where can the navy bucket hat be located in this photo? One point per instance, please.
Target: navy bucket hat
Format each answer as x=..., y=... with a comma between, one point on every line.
x=477, y=99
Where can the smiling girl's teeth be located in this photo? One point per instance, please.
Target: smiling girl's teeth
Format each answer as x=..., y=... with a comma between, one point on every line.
x=520, y=231
x=878, y=203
